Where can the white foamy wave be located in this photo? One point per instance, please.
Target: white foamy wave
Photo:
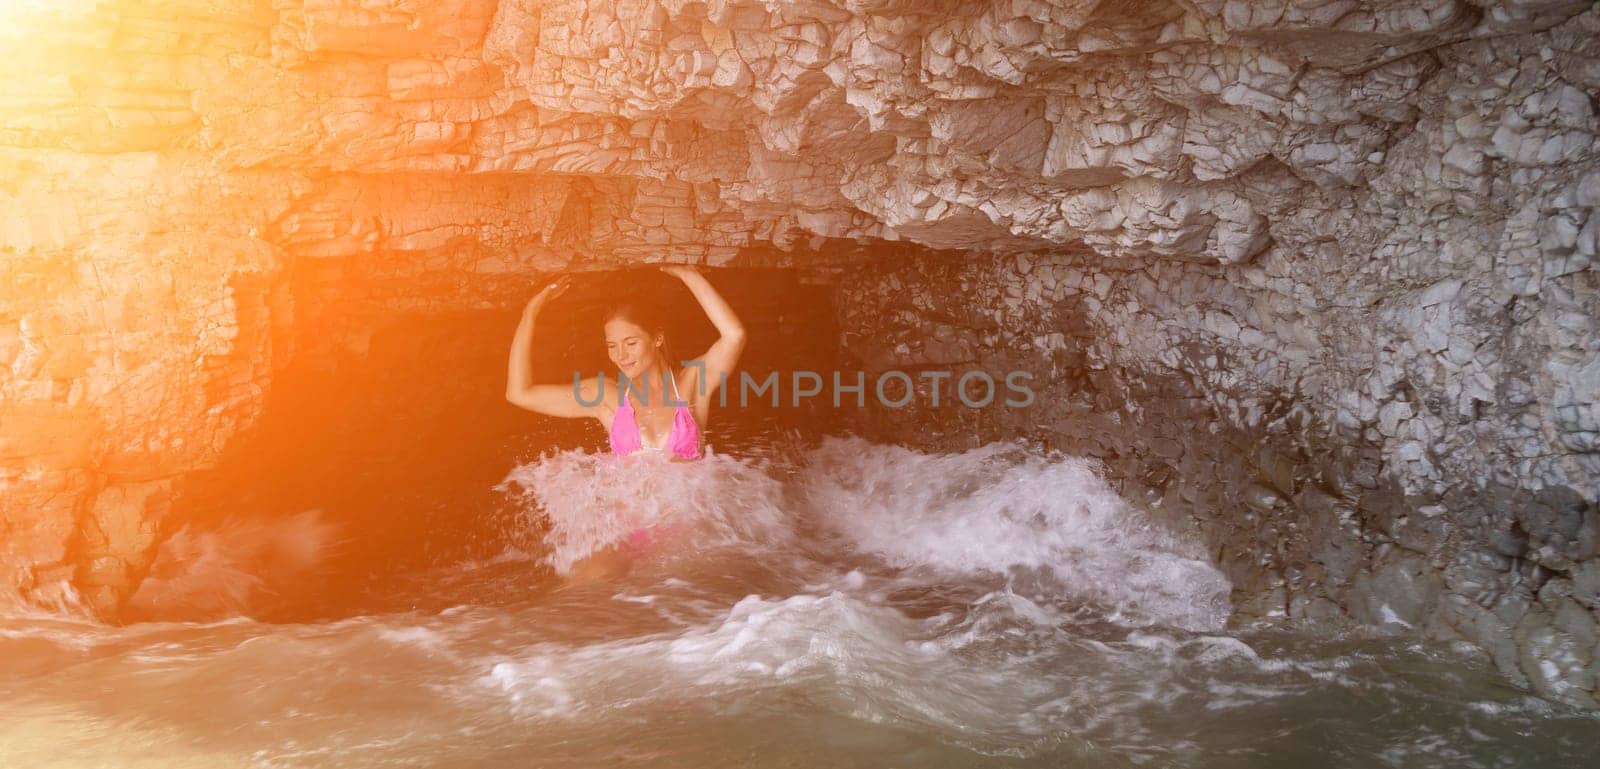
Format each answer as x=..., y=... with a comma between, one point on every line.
x=852, y=657
x=1002, y=508
x=592, y=501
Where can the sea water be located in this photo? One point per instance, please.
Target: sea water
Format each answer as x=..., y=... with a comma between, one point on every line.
x=856, y=605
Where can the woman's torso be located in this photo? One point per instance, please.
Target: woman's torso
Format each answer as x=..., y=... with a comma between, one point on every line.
x=627, y=427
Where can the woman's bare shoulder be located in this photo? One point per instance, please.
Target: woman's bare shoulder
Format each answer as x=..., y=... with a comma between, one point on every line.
x=600, y=398
x=689, y=381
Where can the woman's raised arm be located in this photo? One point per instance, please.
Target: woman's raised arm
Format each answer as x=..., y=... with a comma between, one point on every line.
x=723, y=354
x=556, y=400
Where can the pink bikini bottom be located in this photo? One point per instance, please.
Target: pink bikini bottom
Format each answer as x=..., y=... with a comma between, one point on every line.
x=647, y=538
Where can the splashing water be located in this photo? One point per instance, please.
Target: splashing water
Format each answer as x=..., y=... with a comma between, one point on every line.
x=870, y=606
x=594, y=501
x=220, y=572
x=1000, y=510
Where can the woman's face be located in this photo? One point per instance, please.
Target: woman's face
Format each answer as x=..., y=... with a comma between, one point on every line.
x=632, y=349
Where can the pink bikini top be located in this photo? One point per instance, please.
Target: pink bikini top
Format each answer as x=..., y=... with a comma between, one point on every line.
x=683, y=441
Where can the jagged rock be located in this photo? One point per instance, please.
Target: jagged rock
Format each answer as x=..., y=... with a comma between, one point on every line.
x=1364, y=232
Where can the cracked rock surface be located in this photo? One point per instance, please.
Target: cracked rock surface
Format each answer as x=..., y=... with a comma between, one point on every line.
x=1361, y=233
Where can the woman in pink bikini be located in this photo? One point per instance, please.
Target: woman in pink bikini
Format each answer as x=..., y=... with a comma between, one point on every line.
x=666, y=406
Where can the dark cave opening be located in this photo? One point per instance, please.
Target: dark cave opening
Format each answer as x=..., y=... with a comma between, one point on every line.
x=392, y=426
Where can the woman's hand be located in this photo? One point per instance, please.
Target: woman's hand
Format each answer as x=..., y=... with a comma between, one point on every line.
x=681, y=271
x=556, y=288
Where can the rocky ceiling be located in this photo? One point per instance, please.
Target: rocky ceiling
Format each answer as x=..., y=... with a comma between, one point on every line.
x=539, y=133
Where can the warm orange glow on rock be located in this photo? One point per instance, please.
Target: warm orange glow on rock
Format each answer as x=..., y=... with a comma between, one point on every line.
x=195, y=194
x=17, y=14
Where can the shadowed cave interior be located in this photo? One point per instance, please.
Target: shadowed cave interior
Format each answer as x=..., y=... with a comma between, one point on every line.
x=393, y=428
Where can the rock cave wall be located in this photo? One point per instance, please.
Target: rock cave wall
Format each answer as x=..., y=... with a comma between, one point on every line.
x=1358, y=234
x=1384, y=417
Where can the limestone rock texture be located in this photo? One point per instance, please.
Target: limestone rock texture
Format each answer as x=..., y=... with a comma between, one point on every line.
x=1359, y=236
